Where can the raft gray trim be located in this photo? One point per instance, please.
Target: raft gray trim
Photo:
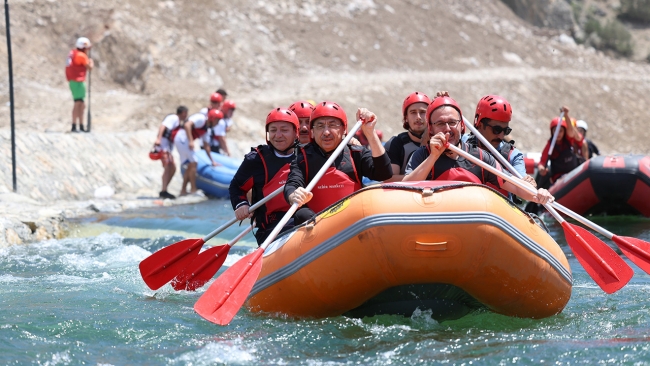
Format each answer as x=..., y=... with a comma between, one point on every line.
x=212, y=182
x=432, y=218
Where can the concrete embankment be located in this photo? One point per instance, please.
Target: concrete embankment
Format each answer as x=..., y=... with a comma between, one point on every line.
x=66, y=175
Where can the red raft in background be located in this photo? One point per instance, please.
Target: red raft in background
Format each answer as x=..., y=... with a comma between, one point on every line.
x=610, y=185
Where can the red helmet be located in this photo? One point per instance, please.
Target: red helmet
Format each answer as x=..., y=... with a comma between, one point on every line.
x=493, y=107
x=555, y=121
x=444, y=101
x=214, y=115
x=282, y=115
x=302, y=108
x=413, y=98
x=155, y=153
x=227, y=106
x=216, y=98
x=328, y=109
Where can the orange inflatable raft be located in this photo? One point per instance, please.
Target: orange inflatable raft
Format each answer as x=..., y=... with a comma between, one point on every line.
x=449, y=247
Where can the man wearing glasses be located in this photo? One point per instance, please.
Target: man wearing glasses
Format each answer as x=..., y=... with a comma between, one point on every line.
x=329, y=126
x=434, y=161
x=492, y=120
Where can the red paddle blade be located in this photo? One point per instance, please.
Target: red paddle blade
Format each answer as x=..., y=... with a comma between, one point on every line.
x=227, y=294
x=637, y=250
x=202, y=268
x=160, y=267
x=600, y=261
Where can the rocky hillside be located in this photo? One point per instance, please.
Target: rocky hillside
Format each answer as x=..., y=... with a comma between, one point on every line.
x=154, y=55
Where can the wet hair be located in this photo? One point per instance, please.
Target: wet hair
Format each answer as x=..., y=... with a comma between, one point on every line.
x=181, y=109
x=222, y=92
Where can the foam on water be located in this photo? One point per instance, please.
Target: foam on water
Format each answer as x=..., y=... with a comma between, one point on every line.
x=223, y=352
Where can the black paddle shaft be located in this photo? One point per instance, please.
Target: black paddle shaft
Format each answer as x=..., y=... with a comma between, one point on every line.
x=89, y=74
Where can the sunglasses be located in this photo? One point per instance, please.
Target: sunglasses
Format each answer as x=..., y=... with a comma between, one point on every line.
x=498, y=129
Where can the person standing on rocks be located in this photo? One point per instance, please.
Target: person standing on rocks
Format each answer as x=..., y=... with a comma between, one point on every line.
x=169, y=126
x=77, y=65
x=195, y=127
x=228, y=109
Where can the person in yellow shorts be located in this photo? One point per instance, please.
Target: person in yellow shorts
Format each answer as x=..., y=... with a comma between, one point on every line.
x=75, y=71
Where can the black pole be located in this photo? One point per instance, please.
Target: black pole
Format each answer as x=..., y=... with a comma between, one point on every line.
x=11, y=97
x=89, y=74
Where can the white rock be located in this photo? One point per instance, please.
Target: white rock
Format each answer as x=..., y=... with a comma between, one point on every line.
x=104, y=192
x=512, y=57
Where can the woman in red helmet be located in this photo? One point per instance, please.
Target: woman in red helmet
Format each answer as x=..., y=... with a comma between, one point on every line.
x=434, y=161
x=329, y=124
x=196, y=127
x=563, y=159
x=264, y=170
x=401, y=147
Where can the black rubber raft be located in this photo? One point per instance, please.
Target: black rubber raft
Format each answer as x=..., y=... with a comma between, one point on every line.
x=609, y=185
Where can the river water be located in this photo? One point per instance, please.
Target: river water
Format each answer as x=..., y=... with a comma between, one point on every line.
x=81, y=300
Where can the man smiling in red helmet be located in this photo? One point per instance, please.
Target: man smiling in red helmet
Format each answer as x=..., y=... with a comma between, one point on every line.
x=434, y=161
x=329, y=125
x=492, y=120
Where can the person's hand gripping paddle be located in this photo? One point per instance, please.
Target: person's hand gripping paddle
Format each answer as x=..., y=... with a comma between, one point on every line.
x=165, y=264
x=227, y=294
x=600, y=261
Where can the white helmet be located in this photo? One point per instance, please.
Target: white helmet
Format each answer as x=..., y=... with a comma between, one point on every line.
x=581, y=124
x=83, y=42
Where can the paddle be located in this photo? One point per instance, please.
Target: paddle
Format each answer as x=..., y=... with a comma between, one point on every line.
x=89, y=74
x=162, y=266
x=638, y=251
x=227, y=294
x=555, y=133
x=600, y=261
x=203, y=267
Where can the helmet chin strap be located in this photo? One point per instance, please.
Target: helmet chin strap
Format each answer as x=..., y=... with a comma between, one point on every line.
x=416, y=134
x=286, y=152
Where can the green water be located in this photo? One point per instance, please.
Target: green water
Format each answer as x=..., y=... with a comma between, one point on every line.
x=81, y=300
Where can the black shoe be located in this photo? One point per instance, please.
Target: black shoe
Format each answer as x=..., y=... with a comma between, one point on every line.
x=165, y=194
x=81, y=128
x=74, y=128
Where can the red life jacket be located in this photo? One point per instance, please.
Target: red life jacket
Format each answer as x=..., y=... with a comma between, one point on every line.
x=279, y=172
x=74, y=72
x=563, y=159
x=505, y=151
x=196, y=132
x=338, y=182
x=457, y=173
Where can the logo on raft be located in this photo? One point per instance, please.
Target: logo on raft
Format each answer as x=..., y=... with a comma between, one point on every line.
x=340, y=206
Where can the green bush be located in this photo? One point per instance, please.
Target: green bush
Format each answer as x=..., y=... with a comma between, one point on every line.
x=635, y=10
x=592, y=25
x=616, y=37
